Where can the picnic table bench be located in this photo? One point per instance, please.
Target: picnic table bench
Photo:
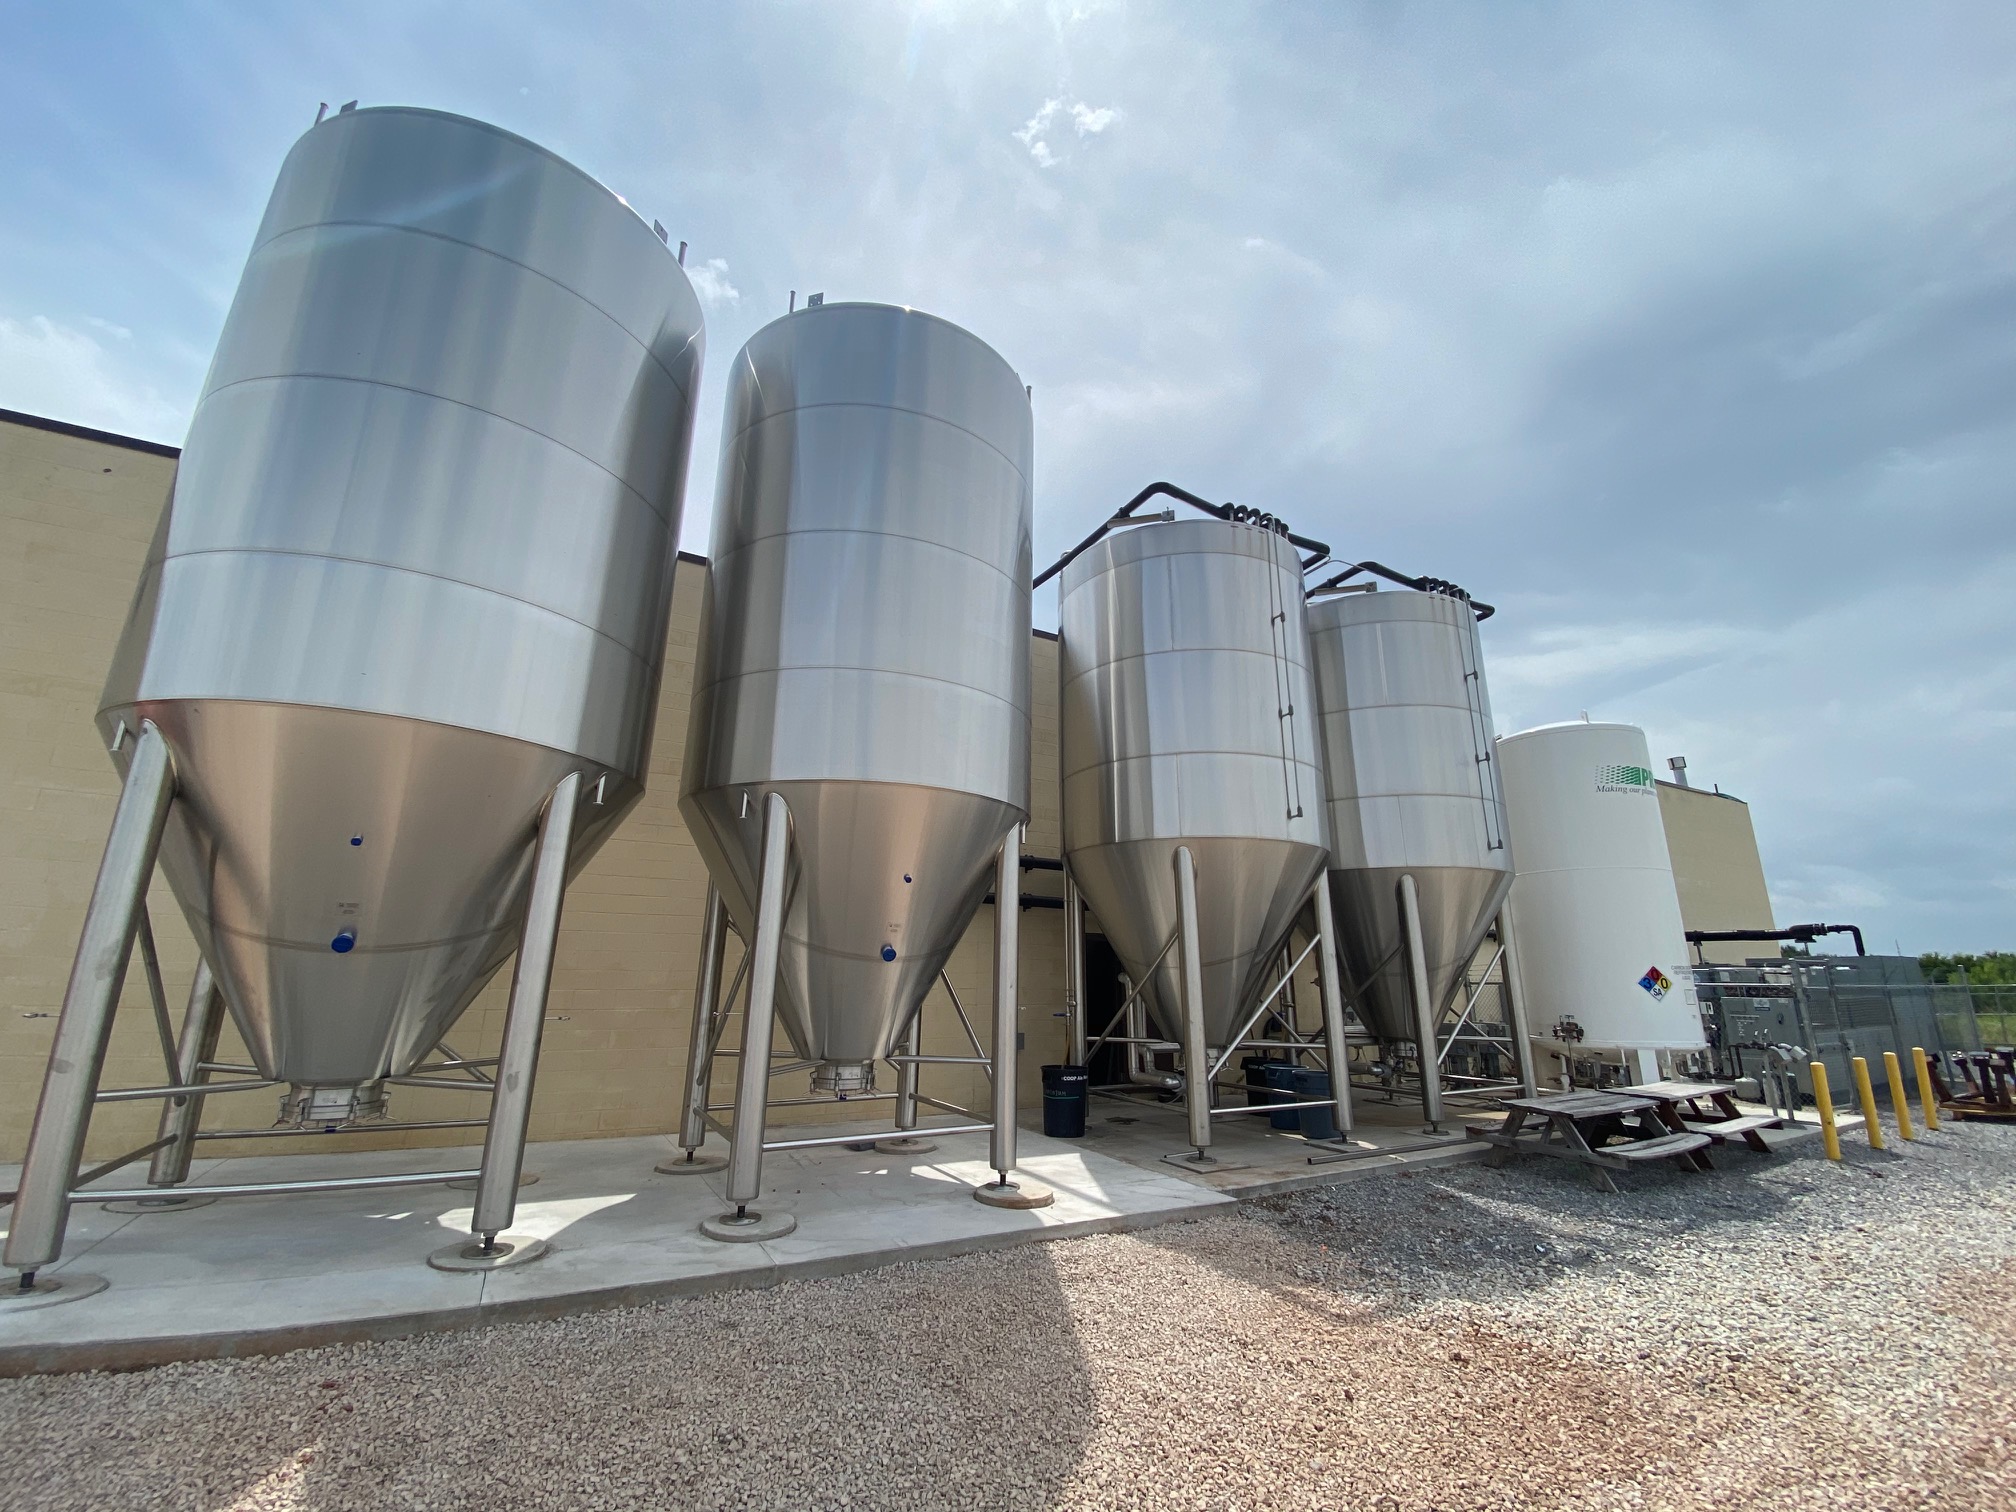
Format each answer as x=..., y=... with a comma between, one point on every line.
x=1703, y=1108
x=1569, y=1122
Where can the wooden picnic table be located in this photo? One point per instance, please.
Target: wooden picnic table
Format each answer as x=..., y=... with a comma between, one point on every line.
x=1703, y=1108
x=1570, y=1121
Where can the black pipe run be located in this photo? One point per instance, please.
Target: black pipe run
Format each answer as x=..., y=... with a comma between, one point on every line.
x=1237, y=514
x=1482, y=610
x=1798, y=934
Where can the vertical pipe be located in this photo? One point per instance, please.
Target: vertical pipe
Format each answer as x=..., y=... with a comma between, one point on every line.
x=1428, y=1053
x=752, y=1084
x=1515, y=1000
x=180, y=1116
x=1330, y=984
x=1867, y=1096
x=1074, y=967
x=1190, y=977
x=525, y=1018
x=906, y=1074
x=1928, y=1100
x=706, y=1005
x=1824, y=1101
x=1899, y=1103
x=56, y=1139
x=1134, y=1026
x=1007, y=1000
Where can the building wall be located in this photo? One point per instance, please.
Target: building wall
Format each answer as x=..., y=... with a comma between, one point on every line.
x=76, y=512
x=1716, y=867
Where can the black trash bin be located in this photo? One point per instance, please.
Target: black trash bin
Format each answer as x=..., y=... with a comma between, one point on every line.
x=1065, y=1089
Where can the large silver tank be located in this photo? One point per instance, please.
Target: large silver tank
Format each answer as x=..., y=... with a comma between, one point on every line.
x=865, y=653
x=415, y=568
x=1413, y=790
x=1187, y=719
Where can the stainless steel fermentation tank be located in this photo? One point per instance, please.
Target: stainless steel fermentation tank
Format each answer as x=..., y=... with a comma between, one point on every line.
x=391, y=670
x=1419, y=864
x=1194, y=824
x=857, y=765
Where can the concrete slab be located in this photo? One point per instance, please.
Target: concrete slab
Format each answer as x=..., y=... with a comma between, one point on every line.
x=1259, y=1160
x=258, y=1275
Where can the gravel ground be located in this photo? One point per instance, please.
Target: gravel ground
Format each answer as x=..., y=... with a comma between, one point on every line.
x=1784, y=1333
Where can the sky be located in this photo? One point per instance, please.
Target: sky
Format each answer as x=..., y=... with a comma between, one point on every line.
x=1685, y=335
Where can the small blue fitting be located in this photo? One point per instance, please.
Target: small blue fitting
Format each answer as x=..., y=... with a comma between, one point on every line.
x=344, y=942
x=888, y=952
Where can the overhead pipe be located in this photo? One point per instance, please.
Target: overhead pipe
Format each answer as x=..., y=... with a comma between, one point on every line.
x=1799, y=934
x=1234, y=513
x=1482, y=610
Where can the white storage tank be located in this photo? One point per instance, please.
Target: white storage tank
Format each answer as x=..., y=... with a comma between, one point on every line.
x=1601, y=954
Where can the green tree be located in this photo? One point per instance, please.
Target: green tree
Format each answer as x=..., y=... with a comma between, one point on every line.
x=1995, y=969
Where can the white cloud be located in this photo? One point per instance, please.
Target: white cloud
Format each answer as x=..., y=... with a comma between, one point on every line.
x=1086, y=120
x=1091, y=122
x=63, y=373
x=710, y=282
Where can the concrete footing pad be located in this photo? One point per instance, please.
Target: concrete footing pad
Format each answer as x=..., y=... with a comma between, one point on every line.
x=473, y=1255
x=162, y=1204
x=48, y=1291
x=1019, y=1195
x=748, y=1228
x=525, y=1179
x=695, y=1165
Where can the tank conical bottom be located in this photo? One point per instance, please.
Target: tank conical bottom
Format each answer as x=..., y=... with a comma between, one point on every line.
x=354, y=879
x=1457, y=907
x=1248, y=893
x=885, y=879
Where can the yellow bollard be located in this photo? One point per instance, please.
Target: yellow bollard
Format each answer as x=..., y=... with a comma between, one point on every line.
x=1829, y=1135
x=1867, y=1094
x=1899, y=1103
x=1928, y=1100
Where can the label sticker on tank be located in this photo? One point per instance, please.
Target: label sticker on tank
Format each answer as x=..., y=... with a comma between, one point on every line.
x=1657, y=983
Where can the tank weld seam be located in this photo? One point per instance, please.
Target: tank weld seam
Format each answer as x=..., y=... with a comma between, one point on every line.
x=950, y=682
x=420, y=572
x=401, y=388
x=456, y=241
x=898, y=409
x=1398, y=703
x=321, y=946
x=1113, y=761
x=766, y=784
x=893, y=535
x=1359, y=797
x=1134, y=656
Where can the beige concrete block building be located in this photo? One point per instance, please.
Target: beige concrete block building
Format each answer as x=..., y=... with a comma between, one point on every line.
x=1716, y=868
x=77, y=508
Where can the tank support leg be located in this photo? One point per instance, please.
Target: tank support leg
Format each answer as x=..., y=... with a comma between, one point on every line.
x=1003, y=1191
x=1190, y=979
x=1515, y=1002
x=759, y=1022
x=56, y=1139
x=1427, y=1051
x=1330, y=984
x=518, y=1056
x=202, y=1020
x=1074, y=967
x=700, y=1058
